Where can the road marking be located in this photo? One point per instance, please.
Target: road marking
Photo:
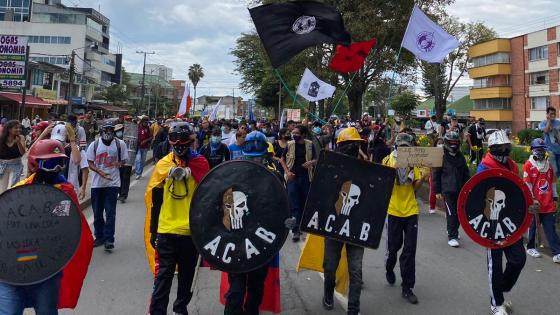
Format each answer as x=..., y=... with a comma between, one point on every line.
x=132, y=184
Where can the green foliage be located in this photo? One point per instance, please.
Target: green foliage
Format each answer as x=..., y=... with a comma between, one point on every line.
x=115, y=94
x=527, y=135
x=520, y=154
x=404, y=103
x=196, y=73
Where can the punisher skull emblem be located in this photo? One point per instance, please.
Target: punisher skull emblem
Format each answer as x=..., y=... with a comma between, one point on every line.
x=495, y=202
x=235, y=207
x=348, y=198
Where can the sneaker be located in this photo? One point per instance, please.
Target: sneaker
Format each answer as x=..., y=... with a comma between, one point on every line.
x=508, y=305
x=296, y=236
x=533, y=253
x=556, y=259
x=98, y=242
x=498, y=310
x=432, y=211
x=109, y=246
x=390, y=276
x=328, y=303
x=408, y=295
x=138, y=177
x=453, y=243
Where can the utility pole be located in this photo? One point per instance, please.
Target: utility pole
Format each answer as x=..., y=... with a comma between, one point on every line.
x=21, y=110
x=233, y=102
x=143, y=78
x=72, y=70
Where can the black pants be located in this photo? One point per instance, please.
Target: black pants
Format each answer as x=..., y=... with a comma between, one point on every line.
x=402, y=232
x=251, y=283
x=125, y=171
x=504, y=280
x=451, y=215
x=173, y=251
x=354, y=255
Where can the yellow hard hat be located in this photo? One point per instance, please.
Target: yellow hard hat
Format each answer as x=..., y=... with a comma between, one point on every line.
x=348, y=134
x=270, y=148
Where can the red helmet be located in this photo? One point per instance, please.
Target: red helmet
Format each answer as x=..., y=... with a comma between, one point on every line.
x=41, y=125
x=44, y=150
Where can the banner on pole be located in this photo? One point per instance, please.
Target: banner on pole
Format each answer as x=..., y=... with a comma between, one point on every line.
x=12, y=61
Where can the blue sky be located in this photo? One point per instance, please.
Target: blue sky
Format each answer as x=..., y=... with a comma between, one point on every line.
x=183, y=32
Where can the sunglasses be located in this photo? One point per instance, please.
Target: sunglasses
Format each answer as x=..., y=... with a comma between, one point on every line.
x=52, y=165
x=179, y=138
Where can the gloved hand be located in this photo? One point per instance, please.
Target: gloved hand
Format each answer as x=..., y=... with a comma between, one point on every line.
x=70, y=133
x=290, y=223
x=153, y=240
x=178, y=173
x=534, y=208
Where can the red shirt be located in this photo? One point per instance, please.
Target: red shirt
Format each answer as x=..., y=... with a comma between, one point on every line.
x=143, y=134
x=541, y=186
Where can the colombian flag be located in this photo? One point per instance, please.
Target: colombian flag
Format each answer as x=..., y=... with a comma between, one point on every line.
x=271, y=297
x=25, y=255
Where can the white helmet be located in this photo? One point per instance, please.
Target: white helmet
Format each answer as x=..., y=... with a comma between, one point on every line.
x=59, y=133
x=498, y=137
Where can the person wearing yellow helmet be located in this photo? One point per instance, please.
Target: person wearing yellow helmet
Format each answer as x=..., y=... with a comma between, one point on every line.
x=349, y=141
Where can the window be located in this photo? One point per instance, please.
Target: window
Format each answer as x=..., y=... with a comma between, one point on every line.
x=540, y=102
x=37, y=77
x=493, y=103
x=480, y=83
x=538, y=78
x=538, y=53
x=491, y=59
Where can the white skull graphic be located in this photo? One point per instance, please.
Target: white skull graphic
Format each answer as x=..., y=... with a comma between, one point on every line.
x=498, y=203
x=239, y=209
x=350, y=198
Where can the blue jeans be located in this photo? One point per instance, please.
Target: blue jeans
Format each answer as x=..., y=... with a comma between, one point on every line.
x=43, y=297
x=554, y=159
x=104, y=201
x=140, y=161
x=10, y=167
x=548, y=221
x=298, y=188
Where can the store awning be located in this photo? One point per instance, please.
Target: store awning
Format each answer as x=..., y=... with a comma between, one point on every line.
x=56, y=102
x=30, y=101
x=107, y=107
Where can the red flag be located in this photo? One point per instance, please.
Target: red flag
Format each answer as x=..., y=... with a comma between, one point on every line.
x=189, y=103
x=351, y=59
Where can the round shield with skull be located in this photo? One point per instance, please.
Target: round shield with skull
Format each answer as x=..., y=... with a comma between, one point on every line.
x=237, y=216
x=492, y=208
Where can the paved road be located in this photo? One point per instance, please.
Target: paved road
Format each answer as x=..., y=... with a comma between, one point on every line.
x=449, y=281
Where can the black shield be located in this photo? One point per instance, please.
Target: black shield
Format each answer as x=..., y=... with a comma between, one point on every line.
x=348, y=199
x=492, y=208
x=237, y=216
x=40, y=229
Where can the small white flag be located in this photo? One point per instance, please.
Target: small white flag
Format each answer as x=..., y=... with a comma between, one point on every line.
x=313, y=89
x=427, y=40
x=215, y=110
x=183, y=106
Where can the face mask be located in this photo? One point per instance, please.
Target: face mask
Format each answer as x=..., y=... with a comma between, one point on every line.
x=539, y=155
x=46, y=177
x=317, y=130
x=119, y=134
x=296, y=138
x=182, y=151
x=215, y=140
x=264, y=130
x=351, y=149
x=107, y=136
x=500, y=153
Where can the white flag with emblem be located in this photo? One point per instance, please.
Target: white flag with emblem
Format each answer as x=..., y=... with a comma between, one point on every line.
x=427, y=40
x=313, y=89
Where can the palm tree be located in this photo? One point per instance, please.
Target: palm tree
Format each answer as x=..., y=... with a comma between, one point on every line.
x=196, y=73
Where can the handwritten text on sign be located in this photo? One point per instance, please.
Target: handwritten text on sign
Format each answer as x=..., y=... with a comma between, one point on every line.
x=419, y=156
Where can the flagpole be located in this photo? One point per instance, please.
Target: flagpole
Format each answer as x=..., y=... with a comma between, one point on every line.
x=285, y=85
x=344, y=93
x=391, y=84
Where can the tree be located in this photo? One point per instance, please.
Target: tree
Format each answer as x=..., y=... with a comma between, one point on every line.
x=440, y=79
x=196, y=73
x=404, y=103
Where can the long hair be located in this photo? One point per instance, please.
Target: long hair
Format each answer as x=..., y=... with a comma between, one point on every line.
x=6, y=130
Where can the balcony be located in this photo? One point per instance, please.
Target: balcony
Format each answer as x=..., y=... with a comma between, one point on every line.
x=490, y=47
x=490, y=70
x=491, y=92
x=539, y=90
x=537, y=115
x=493, y=114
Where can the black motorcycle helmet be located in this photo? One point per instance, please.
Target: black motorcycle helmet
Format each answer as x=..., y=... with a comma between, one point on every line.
x=181, y=137
x=452, y=142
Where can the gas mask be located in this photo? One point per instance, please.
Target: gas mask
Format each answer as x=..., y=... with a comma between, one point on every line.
x=177, y=174
x=119, y=134
x=107, y=136
x=500, y=152
x=182, y=151
x=539, y=154
x=351, y=149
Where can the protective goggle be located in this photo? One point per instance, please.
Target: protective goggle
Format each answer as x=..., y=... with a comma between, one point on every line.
x=52, y=165
x=179, y=137
x=255, y=147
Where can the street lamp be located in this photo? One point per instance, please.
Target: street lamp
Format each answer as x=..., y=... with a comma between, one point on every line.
x=72, y=70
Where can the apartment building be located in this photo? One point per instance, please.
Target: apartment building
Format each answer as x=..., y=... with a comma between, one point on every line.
x=516, y=79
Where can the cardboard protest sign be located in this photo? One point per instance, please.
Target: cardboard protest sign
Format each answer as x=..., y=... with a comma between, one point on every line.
x=130, y=137
x=492, y=208
x=237, y=216
x=348, y=199
x=40, y=230
x=419, y=156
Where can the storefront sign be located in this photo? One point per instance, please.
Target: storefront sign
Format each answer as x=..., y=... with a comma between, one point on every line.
x=12, y=61
x=348, y=199
x=40, y=230
x=45, y=94
x=237, y=216
x=492, y=208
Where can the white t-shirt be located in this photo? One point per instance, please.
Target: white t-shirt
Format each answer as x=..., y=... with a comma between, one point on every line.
x=74, y=170
x=81, y=136
x=106, y=159
x=226, y=137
